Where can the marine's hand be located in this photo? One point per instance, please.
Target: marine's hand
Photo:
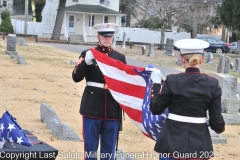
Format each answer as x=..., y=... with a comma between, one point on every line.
x=88, y=58
x=156, y=76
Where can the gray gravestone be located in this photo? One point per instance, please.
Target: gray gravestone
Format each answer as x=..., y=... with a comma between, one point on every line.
x=237, y=65
x=216, y=138
x=228, y=85
x=11, y=42
x=220, y=63
x=143, y=50
x=21, y=42
x=227, y=65
x=231, y=66
x=124, y=40
x=114, y=42
x=151, y=48
x=209, y=58
x=179, y=62
x=169, y=46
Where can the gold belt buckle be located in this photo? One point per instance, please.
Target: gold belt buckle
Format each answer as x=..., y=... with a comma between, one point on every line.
x=105, y=86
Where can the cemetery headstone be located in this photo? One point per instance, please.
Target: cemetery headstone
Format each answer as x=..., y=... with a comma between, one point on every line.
x=227, y=65
x=231, y=66
x=169, y=46
x=220, y=63
x=114, y=42
x=209, y=58
x=124, y=40
x=237, y=65
x=179, y=62
x=151, y=48
x=11, y=42
x=143, y=50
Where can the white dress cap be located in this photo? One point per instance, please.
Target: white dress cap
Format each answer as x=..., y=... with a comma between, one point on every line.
x=191, y=46
x=106, y=27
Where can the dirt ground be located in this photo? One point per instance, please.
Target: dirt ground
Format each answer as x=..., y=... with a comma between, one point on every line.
x=47, y=79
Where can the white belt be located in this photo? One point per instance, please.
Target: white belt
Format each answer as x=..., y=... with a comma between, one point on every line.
x=187, y=119
x=99, y=85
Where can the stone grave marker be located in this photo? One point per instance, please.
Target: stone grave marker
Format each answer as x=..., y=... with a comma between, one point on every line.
x=124, y=40
x=151, y=49
x=143, y=50
x=220, y=63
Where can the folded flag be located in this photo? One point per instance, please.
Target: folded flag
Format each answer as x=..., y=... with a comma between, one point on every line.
x=130, y=86
x=10, y=131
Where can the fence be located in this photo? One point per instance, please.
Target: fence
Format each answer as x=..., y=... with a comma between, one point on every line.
x=33, y=28
x=142, y=35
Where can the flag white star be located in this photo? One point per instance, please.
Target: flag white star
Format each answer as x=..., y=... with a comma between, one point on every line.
x=164, y=115
x=154, y=137
x=11, y=126
x=150, y=125
x=152, y=132
x=158, y=125
x=151, y=117
x=3, y=139
x=19, y=140
x=10, y=139
x=144, y=123
x=2, y=127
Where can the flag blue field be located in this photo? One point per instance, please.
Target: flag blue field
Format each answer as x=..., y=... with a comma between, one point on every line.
x=10, y=131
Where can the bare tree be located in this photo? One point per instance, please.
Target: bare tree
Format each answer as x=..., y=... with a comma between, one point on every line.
x=128, y=7
x=59, y=20
x=147, y=6
x=165, y=11
x=195, y=16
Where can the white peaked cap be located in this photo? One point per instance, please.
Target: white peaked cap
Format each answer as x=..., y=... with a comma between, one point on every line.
x=106, y=27
x=191, y=46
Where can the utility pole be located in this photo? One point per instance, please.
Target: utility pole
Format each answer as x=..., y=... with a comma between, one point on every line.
x=26, y=16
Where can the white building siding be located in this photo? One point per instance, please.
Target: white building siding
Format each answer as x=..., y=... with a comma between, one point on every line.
x=49, y=14
x=114, y=4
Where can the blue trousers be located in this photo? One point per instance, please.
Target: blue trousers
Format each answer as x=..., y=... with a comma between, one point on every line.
x=104, y=130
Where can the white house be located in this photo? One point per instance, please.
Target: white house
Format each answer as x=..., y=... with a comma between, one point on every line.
x=80, y=16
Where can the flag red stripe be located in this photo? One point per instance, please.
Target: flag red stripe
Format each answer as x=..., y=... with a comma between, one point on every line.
x=125, y=88
x=134, y=114
x=115, y=63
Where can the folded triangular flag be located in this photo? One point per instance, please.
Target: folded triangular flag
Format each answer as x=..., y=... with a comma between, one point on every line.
x=10, y=131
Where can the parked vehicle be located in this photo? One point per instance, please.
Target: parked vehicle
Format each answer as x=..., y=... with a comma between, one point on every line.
x=233, y=47
x=215, y=45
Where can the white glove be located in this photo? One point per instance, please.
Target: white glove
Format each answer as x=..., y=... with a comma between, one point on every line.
x=88, y=58
x=156, y=76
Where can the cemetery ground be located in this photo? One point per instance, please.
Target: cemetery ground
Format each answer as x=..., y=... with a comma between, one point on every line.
x=47, y=79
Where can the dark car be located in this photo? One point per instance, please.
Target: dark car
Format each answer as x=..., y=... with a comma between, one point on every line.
x=215, y=45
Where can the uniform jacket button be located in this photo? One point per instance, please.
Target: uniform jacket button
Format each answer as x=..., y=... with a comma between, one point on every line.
x=91, y=92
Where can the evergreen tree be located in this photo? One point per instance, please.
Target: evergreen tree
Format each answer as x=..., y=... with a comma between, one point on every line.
x=6, y=25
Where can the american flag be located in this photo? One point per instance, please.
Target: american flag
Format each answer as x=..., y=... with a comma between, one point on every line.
x=11, y=132
x=131, y=88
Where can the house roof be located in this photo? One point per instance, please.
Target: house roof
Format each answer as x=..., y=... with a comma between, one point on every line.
x=90, y=9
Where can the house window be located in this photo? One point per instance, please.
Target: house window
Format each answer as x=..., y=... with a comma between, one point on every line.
x=91, y=19
x=4, y=3
x=105, y=19
x=102, y=1
x=75, y=0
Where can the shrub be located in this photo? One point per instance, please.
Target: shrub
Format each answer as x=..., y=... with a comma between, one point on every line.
x=6, y=25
